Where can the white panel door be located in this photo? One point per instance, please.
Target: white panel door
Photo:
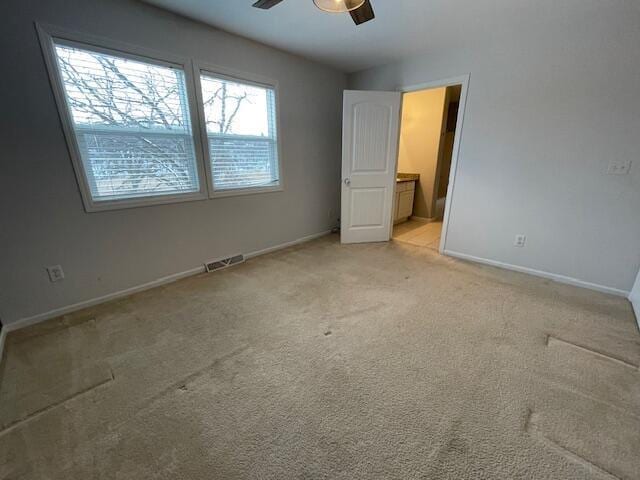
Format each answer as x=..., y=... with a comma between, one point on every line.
x=370, y=129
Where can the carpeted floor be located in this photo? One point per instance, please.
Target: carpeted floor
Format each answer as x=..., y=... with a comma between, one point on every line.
x=324, y=361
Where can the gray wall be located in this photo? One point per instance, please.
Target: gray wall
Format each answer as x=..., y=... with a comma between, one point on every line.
x=549, y=105
x=41, y=214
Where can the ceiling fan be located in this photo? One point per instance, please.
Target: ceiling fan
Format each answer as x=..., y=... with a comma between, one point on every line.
x=360, y=10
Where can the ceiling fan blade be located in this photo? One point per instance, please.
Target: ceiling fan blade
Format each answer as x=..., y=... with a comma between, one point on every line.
x=266, y=4
x=363, y=14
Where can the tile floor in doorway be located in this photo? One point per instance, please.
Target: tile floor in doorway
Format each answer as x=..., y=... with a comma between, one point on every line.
x=418, y=233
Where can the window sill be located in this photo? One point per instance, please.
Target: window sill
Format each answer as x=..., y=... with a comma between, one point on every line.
x=92, y=206
x=101, y=206
x=236, y=192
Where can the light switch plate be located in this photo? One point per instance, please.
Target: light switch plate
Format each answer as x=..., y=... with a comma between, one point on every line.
x=520, y=240
x=619, y=167
x=55, y=273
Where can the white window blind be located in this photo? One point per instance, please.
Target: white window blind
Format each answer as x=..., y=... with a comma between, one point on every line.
x=132, y=124
x=241, y=132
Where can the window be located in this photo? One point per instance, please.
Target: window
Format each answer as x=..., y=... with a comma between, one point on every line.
x=131, y=122
x=131, y=126
x=142, y=130
x=240, y=121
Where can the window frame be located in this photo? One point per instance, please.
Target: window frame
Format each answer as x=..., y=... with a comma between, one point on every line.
x=49, y=36
x=216, y=71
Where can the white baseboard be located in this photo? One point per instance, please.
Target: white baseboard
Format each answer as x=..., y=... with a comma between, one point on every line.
x=298, y=241
x=539, y=273
x=41, y=317
x=3, y=336
x=56, y=312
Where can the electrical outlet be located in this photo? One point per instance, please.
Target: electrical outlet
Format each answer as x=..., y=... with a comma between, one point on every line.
x=520, y=240
x=55, y=273
x=619, y=167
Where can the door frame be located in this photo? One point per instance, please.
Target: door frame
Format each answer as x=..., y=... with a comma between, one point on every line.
x=447, y=82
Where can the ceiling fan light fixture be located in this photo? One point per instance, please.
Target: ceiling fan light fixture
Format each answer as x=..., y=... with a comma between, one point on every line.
x=338, y=6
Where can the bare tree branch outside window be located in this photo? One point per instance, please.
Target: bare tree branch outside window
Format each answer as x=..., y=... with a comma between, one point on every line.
x=132, y=122
x=240, y=122
x=134, y=131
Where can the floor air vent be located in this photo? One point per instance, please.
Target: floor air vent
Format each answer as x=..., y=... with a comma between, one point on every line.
x=224, y=263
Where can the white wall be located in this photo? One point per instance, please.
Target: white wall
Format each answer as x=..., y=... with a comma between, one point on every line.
x=419, y=147
x=548, y=106
x=41, y=214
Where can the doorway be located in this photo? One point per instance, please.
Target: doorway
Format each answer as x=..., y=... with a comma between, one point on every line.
x=429, y=127
x=375, y=194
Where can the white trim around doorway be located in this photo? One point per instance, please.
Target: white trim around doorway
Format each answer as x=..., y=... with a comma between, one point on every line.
x=448, y=82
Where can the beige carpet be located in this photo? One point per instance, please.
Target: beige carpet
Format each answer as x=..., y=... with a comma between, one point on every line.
x=381, y=361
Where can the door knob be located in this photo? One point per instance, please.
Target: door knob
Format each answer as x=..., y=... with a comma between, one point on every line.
x=347, y=181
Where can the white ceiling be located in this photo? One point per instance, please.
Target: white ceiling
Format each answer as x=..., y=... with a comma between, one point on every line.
x=401, y=27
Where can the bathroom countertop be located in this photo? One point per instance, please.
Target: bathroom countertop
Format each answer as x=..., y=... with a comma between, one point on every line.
x=407, y=177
